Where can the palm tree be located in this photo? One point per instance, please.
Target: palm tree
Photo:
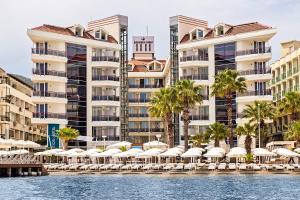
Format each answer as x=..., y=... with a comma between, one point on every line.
x=290, y=104
x=198, y=140
x=217, y=132
x=247, y=130
x=163, y=104
x=188, y=95
x=293, y=132
x=66, y=134
x=227, y=82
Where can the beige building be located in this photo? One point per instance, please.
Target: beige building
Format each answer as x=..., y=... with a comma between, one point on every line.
x=146, y=75
x=285, y=78
x=16, y=109
x=203, y=51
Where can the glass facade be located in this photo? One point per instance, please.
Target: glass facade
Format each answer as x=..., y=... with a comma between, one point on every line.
x=225, y=59
x=76, y=87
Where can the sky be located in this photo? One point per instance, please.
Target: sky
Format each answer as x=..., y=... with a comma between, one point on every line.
x=16, y=16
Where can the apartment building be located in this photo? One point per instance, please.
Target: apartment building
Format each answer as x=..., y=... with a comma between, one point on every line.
x=146, y=75
x=285, y=78
x=80, y=79
x=16, y=109
x=198, y=52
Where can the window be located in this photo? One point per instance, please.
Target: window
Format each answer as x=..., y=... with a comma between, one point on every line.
x=150, y=47
x=97, y=34
x=103, y=35
x=199, y=34
x=129, y=67
x=78, y=31
x=145, y=47
x=136, y=47
x=220, y=30
x=141, y=47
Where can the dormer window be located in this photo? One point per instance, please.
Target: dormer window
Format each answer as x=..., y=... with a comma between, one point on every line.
x=196, y=34
x=199, y=34
x=97, y=34
x=78, y=31
x=101, y=35
x=220, y=30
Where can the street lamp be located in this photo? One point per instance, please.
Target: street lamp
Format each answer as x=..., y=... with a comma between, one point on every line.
x=104, y=137
x=158, y=136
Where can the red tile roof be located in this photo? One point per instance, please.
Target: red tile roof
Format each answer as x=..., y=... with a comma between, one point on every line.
x=67, y=31
x=233, y=30
x=141, y=65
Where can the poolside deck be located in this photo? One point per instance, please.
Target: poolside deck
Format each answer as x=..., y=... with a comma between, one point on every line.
x=29, y=169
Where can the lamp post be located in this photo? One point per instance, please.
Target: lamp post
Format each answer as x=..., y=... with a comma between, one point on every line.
x=104, y=137
x=158, y=136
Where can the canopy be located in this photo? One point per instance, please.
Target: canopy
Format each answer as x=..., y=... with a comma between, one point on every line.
x=129, y=153
x=155, y=144
x=49, y=152
x=262, y=152
x=215, y=152
x=285, y=152
x=297, y=150
x=192, y=153
x=69, y=152
x=149, y=153
x=18, y=152
x=173, y=152
x=237, y=152
x=108, y=153
x=119, y=145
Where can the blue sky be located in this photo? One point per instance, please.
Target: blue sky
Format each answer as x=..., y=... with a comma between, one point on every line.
x=16, y=16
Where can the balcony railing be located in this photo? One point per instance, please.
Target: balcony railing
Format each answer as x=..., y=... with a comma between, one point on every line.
x=105, y=78
x=295, y=70
x=138, y=115
x=49, y=115
x=48, y=52
x=105, y=98
x=158, y=130
x=105, y=118
x=193, y=58
x=49, y=72
x=4, y=118
x=283, y=76
x=278, y=79
x=146, y=85
x=253, y=71
x=50, y=94
x=105, y=58
x=197, y=117
x=254, y=93
x=289, y=73
x=137, y=100
x=195, y=77
x=253, y=51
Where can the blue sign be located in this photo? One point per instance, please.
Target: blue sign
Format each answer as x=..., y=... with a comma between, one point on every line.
x=53, y=141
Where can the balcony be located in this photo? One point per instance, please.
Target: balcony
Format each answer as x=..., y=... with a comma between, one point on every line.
x=50, y=94
x=138, y=100
x=197, y=117
x=48, y=55
x=138, y=115
x=4, y=118
x=49, y=118
x=278, y=78
x=49, y=76
x=49, y=115
x=258, y=95
x=253, y=51
x=295, y=70
x=283, y=76
x=253, y=54
x=146, y=85
x=195, y=77
x=146, y=130
x=105, y=58
x=193, y=58
x=289, y=73
x=105, y=98
x=105, y=118
x=105, y=78
x=49, y=73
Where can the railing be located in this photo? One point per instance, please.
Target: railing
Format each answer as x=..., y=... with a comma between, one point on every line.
x=138, y=100
x=105, y=78
x=278, y=79
x=50, y=94
x=289, y=73
x=4, y=118
x=197, y=117
x=49, y=72
x=48, y=52
x=195, y=77
x=138, y=115
x=105, y=98
x=295, y=70
x=105, y=118
x=273, y=81
x=283, y=76
x=253, y=51
x=146, y=86
x=49, y=115
x=105, y=58
x=193, y=58
x=254, y=93
x=146, y=130
x=253, y=71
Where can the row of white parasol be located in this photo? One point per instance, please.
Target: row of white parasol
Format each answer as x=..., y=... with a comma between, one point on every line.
x=8, y=143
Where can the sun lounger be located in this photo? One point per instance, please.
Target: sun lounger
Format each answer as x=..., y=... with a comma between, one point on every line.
x=212, y=166
x=243, y=167
x=126, y=167
x=169, y=166
x=278, y=167
x=158, y=166
x=289, y=167
x=148, y=167
x=179, y=166
x=256, y=167
x=232, y=166
x=116, y=167
x=136, y=166
x=222, y=166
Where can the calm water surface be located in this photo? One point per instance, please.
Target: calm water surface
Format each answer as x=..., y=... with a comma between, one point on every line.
x=137, y=187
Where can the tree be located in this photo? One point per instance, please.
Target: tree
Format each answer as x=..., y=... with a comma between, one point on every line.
x=198, y=140
x=290, y=104
x=258, y=113
x=293, y=132
x=217, y=132
x=227, y=82
x=163, y=104
x=188, y=95
x=248, y=131
x=66, y=134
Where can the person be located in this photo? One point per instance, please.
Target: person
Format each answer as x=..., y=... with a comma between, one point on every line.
x=291, y=160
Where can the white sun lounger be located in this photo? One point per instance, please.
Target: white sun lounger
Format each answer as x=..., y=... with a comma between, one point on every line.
x=126, y=167
x=231, y=166
x=278, y=167
x=148, y=167
x=179, y=166
x=212, y=166
x=243, y=166
x=222, y=166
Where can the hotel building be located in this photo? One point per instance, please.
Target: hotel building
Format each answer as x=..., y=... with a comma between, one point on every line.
x=285, y=78
x=198, y=52
x=146, y=75
x=16, y=109
x=80, y=79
